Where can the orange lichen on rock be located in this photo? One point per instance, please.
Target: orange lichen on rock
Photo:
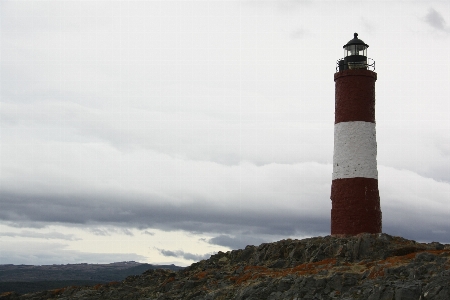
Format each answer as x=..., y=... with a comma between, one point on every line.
x=255, y=272
x=243, y=278
x=312, y=268
x=254, y=268
x=58, y=291
x=376, y=272
x=168, y=280
x=377, y=268
x=394, y=261
x=201, y=275
x=113, y=283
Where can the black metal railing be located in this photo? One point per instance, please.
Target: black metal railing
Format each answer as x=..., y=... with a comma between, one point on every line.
x=361, y=65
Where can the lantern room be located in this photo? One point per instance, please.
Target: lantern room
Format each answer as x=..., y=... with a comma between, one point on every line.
x=355, y=56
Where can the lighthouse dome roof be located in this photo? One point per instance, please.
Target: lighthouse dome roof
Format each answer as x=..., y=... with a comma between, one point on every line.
x=355, y=41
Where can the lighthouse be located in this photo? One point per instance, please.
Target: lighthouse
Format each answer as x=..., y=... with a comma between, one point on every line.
x=354, y=190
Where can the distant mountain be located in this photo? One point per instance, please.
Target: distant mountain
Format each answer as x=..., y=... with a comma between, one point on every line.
x=366, y=267
x=28, y=278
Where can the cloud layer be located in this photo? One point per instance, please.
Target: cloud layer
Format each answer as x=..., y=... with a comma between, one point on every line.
x=211, y=118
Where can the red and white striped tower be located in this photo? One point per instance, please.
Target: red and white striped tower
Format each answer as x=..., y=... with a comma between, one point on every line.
x=354, y=190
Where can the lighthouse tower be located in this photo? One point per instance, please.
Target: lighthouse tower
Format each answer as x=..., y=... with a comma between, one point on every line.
x=354, y=190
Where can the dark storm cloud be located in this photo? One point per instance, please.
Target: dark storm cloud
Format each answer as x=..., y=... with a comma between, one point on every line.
x=435, y=19
x=251, y=215
x=235, y=226
x=197, y=217
x=418, y=232
x=185, y=255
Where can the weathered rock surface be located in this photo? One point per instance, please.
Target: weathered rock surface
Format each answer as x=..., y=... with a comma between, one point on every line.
x=366, y=266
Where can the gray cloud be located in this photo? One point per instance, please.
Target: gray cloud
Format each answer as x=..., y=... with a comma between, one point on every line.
x=127, y=232
x=107, y=231
x=236, y=242
x=185, y=255
x=238, y=225
x=26, y=224
x=38, y=235
x=100, y=231
x=252, y=216
x=198, y=216
x=148, y=233
x=436, y=20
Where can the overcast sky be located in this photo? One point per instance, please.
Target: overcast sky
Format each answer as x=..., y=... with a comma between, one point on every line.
x=164, y=131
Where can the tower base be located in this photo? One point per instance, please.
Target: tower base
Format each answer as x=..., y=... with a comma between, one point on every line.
x=355, y=206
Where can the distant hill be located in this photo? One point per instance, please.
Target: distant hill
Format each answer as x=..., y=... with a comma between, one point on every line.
x=28, y=278
x=366, y=267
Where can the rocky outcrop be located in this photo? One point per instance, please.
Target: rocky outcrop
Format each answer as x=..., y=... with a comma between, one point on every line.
x=366, y=266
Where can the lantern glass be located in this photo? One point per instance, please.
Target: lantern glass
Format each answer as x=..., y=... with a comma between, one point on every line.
x=355, y=50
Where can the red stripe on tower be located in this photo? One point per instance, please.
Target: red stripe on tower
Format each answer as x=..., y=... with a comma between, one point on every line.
x=354, y=190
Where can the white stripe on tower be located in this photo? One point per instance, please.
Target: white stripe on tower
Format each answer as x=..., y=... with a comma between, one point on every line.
x=355, y=150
